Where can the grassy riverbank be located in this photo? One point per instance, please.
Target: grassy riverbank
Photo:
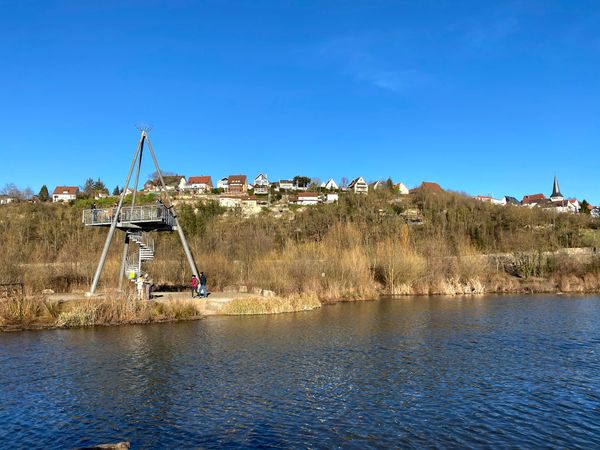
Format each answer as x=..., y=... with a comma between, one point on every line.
x=358, y=249
x=41, y=313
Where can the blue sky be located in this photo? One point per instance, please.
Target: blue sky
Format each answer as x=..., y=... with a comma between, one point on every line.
x=482, y=97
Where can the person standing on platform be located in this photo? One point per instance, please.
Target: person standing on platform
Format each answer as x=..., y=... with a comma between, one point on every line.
x=203, y=292
x=194, y=286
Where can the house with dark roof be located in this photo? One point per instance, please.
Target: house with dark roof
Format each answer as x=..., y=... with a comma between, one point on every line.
x=261, y=184
x=556, y=196
x=359, y=186
x=508, y=200
x=330, y=185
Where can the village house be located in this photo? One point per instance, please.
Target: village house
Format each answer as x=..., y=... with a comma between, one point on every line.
x=261, y=184
x=508, y=200
x=250, y=202
x=377, y=185
x=100, y=194
x=222, y=184
x=286, y=185
x=401, y=188
x=359, y=186
x=532, y=200
x=230, y=201
x=332, y=197
x=199, y=184
x=427, y=186
x=6, y=199
x=237, y=184
x=172, y=183
x=483, y=198
x=330, y=185
x=149, y=186
x=489, y=199
x=306, y=199
x=64, y=193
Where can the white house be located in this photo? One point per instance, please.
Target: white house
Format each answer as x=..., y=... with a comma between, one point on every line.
x=223, y=183
x=230, y=201
x=172, y=183
x=261, y=184
x=64, y=193
x=377, y=185
x=332, y=197
x=330, y=185
x=286, y=185
x=200, y=184
x=5, y=199
x=359, y=186
x=308, y=198
x=402, y=189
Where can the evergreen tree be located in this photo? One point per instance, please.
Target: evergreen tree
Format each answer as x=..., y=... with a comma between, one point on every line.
x=584, y=207
x=99, y=186
x=88, y=188
x=44, y=195
x=116, y=191
x=301, y=181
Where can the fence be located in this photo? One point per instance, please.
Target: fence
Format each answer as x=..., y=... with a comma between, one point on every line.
x=128, y=214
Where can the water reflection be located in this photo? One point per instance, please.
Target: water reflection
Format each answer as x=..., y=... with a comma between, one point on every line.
x=518, y=371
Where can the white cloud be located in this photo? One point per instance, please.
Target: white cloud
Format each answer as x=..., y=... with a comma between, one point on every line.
x=356, y=57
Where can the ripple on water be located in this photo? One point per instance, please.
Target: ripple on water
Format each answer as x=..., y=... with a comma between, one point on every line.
x=503, y=371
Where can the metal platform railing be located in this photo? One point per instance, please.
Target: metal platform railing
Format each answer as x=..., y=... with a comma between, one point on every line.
x=130, y=215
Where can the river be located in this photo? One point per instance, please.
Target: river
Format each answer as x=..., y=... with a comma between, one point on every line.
x=409, y=372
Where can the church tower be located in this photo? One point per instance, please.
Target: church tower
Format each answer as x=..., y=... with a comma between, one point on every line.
x=556, y=195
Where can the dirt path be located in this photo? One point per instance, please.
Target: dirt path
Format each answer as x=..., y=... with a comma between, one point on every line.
x=210, y=305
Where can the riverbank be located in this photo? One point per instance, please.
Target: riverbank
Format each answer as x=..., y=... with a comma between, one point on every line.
x=73, y=310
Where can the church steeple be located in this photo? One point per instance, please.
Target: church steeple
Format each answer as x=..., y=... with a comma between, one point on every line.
x=556, y=195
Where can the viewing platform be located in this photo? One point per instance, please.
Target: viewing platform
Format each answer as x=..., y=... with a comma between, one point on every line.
x=144, y=217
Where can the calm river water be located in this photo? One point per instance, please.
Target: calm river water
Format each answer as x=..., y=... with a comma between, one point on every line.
x=413, y=372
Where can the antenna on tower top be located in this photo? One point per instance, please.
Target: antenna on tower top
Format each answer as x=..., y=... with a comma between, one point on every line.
x=144, y=127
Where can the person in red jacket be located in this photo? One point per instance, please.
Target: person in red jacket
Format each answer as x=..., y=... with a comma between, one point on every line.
x=194, y=286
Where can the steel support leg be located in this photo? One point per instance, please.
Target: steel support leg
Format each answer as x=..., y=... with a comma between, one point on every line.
x=113, y=225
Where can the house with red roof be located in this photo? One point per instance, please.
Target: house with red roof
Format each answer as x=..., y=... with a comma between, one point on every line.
x=427, y=186
x=200, y=184
x=64, y=193
x=237, y=184
x=533, y=199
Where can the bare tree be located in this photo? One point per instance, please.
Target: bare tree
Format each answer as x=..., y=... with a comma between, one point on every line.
x=11, y=190
x=165, y=173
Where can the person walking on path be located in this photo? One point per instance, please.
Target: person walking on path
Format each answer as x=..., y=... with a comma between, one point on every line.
x=194, y=286
x=202, y=292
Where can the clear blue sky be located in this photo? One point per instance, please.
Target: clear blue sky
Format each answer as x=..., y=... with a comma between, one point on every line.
x=485, y=97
